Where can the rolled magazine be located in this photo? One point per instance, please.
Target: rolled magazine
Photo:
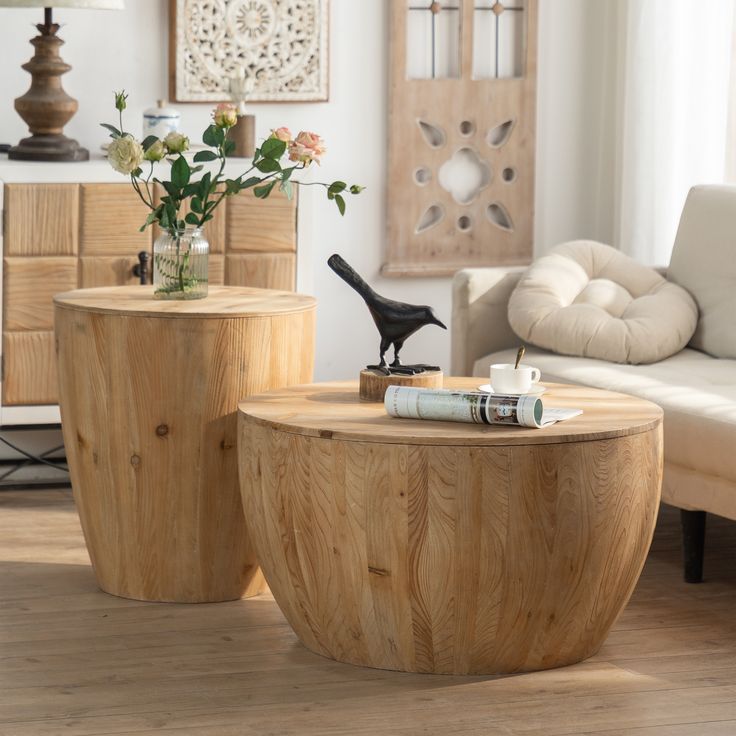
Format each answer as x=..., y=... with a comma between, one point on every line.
x=469, y=406
x=463, y=406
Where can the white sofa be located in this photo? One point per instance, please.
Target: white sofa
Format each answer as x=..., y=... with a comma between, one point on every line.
x=696, y=390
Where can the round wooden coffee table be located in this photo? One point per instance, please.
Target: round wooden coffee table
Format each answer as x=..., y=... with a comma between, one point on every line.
x=449, y=548
x=148, y=395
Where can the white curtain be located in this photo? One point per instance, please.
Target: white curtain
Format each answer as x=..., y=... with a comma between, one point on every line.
x=674, y=85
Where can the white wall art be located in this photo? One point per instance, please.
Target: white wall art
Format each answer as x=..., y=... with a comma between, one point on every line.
x=282, y=45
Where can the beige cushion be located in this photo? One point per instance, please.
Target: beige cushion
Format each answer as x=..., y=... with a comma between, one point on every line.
x=591, y=300
x=696, y=391
x=704, y=262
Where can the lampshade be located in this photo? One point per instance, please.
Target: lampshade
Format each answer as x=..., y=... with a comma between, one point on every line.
x=89, y=4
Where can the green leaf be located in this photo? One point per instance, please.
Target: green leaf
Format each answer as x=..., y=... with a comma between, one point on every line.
x=205, y=156
x=114, y=132
x=250, y=181
x=148, y=141
x=209, y=137
x=265, y=190
x=273, y=148
x=196, y=205
x=340, y=203
x=170, y=211
x=170, y=188
x=192, y=219
x=336, y=187
x=213, y=136
x=268, y=165
x=232, y=186
x=152, y=217
x=190, y=189
x=287, y=188
x=180, y=173
x=204, y=185
x=229, y=147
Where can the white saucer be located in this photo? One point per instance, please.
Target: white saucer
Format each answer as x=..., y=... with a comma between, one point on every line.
x=535, y=390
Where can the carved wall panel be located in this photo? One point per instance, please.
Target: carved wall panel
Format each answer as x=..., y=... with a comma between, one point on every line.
x=281, y=44
x=462, y=114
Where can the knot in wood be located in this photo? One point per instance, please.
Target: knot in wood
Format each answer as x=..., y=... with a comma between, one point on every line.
x=162, y=430
x=135, y=460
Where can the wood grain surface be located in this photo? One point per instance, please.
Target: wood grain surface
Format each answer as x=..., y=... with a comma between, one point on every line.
x=464, y=111
x=29, y=367
x=41, y=219
x=335, y=410
x=29, y=285
x=148, y=413
x=448, y=558
x=111, y=217
x=78, y=662
x=262, y=270
x=266, y=225
x=221, y=302
x=372, y=386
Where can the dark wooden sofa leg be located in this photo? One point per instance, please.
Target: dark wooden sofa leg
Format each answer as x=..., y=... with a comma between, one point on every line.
x=693, y=543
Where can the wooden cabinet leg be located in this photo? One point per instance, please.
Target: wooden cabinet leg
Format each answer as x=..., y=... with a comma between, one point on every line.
x=693, y=544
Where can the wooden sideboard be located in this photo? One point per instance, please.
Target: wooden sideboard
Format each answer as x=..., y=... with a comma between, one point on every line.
x=77, y=225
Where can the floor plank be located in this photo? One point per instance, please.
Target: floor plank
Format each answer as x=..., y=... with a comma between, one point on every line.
x=76, y=661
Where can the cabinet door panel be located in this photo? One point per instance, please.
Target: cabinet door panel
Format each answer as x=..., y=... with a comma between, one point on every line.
x=262, y=225
x=41, y=219
x=107, y=271
x=29, y=368
x=216, y=270
x=112, y=215
x=262, y=270
x=29, y=288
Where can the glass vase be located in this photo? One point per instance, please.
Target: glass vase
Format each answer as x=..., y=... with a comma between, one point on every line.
x=180, y=264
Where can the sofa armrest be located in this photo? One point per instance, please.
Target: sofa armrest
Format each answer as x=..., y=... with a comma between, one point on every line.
x=480, y=323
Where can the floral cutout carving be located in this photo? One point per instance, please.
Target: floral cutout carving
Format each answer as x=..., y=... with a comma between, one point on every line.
x=281, y=44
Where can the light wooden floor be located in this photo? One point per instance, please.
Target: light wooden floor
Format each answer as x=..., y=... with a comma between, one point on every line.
x=76, y=661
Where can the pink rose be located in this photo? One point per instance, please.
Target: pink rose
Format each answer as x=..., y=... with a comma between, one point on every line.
x=281, y=134
x=307, y=147
x=225, y=115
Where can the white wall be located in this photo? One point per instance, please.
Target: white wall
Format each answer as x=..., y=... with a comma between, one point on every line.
x=112, y=50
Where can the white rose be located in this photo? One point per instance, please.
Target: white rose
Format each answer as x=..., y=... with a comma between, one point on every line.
x=176, y=143
x=125, y=154
x=156, y=151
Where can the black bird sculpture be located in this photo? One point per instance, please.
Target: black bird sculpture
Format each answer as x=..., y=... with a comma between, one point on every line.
x=395, y=321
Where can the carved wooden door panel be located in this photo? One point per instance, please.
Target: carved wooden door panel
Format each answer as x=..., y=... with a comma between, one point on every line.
x=461, y=135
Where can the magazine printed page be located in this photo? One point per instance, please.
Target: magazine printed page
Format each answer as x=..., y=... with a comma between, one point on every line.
x=473, y=407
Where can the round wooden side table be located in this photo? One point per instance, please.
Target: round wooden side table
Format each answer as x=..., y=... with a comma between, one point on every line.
x=148, y=394
x=449, y=548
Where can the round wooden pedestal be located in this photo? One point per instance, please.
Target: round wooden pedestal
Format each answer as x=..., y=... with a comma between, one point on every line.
x=148, y=394
x=373, y=385
x=449, y=548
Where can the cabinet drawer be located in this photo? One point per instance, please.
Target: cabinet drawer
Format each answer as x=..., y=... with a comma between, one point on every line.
x=29, y=287
x=41, y=219
x=264, y=225
x=29, y=368
x=216, y=270
x=107, y=271
x=262, y=270
x=112, y=215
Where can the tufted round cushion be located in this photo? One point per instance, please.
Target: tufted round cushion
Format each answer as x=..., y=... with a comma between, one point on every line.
x=591, y=300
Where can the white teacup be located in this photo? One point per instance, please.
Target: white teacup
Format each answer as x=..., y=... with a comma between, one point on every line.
x=505, y=379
